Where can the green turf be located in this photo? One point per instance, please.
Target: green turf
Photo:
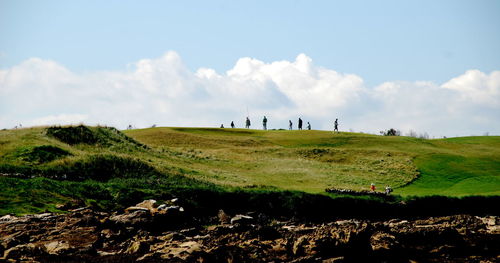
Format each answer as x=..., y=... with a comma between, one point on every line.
x=105, y=165
x=314, y=160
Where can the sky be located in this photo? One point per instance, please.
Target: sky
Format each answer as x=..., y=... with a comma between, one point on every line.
x=426, y=66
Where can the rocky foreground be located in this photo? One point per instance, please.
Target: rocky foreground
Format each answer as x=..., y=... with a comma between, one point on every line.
x=150, y=233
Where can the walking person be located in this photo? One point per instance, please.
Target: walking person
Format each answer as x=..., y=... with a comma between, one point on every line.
x=247, y=123
x=336, y=125
x=290, y=124
x=300, y=124
x=264, y=123
x=308, y=126
x=232, y=124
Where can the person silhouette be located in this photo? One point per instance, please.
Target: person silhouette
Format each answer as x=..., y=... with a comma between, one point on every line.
x=264, y=123
x=336, y=125
x=300, y=124
x=232, y=124
x=308, y=126
x=290, y=124
x=247, y=123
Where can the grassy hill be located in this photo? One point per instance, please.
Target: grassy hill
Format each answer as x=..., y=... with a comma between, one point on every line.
x=42, y=167
x=314, y=160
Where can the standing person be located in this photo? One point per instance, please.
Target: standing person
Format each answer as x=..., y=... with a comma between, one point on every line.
x=264, y=123
x=372, y=187
x=388, y=190
x=247, y=123
x=336, y=125
x=290, y=124
x=300, y=124
x=232, y=124
x=308, y=126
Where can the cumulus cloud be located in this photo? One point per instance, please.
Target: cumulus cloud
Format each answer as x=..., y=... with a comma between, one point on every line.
x=165, y=92
x=62, y=119
x=477, y=87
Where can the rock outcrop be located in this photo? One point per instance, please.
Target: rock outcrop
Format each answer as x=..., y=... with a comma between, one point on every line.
x=150, y=233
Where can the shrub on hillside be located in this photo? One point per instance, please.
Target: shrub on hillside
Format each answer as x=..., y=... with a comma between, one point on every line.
x=101, y=136
x=104, y=167
x=41, y=154
x=99, y=167
x=73, y=134
x=391, y=132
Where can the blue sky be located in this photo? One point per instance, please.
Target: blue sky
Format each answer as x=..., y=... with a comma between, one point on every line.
x=379, y=41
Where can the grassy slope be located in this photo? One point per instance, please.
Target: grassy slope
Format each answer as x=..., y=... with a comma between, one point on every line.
x=121, y=172
x=185, y=158
x=313, y=160
x=462, y=166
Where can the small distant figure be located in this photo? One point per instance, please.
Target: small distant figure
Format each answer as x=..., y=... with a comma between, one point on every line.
x=264, y=123
x=129, y=127
x=20, y=125
x=247, y=123
x=308, y=126
x=336, y=125
x=222, y=126
x=388, y=190
x=290, y=124
x=300, y=124
x=232, y=124
x=372, y=187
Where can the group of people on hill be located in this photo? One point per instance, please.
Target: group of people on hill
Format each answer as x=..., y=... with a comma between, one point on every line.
x=290, y=124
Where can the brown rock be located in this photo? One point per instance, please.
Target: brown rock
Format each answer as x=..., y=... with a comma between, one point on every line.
x=22, y=251
x=8, y=218
x=298, y=245
x=138, y=247
x=188, y=251
x=149, y=204
x=15, y=239
x=174, y=236
x=334, y=260
x=57, y=247
x=136, y=218
x=381, y=241
x=223, y=217
x=136, y=208
x=241, y=219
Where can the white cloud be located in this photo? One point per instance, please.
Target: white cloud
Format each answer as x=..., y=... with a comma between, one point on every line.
x=477, y=87
x=165, y=92
x=61, y=119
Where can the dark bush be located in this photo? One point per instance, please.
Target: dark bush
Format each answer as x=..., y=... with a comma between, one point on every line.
x=101, y=136
x=391, y=132
x=73, y=134
x=95, y=167
x=105, y=167
x=42, y=154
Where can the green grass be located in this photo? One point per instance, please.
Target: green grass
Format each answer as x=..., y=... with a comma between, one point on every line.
x=311, y=161
x=456, y=175
x=292, y=160
x=108, y=168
